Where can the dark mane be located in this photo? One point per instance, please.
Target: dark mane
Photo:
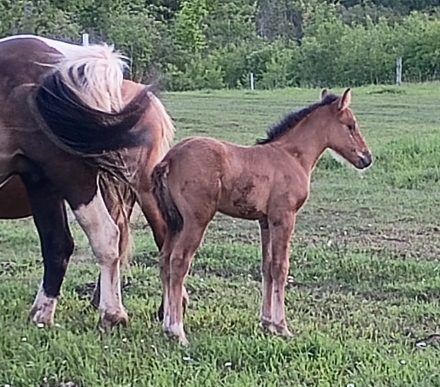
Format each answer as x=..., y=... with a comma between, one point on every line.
x=294, y=118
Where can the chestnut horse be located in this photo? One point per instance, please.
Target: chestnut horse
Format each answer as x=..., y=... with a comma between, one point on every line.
x=73, y=130
x=268, y=182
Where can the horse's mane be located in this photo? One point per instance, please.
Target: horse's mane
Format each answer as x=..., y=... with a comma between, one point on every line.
x=293, y=119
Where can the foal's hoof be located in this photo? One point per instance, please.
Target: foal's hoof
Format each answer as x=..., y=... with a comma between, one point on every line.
x=281, y=330
x=108, y=320
x=178, y=336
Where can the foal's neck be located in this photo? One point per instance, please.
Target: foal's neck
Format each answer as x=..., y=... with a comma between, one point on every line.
x=307, y=141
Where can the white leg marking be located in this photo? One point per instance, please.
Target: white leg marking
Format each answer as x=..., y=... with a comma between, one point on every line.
x=266, y=312
x=103, y=235
x=278, y=312
x=43, y=310
x=277, y=308
x=176, y=330
x=166, y=311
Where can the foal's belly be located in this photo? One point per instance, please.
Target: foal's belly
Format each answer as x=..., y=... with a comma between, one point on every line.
x=241, y=208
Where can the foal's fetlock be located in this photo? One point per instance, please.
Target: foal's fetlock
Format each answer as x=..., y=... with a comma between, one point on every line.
x=265, y=321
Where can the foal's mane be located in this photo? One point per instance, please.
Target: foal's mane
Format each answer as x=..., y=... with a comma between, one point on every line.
x=293, y=119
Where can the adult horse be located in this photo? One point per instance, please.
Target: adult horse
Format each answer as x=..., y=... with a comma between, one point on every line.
x=73, y=130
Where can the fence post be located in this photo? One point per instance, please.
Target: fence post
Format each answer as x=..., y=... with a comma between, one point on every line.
x=399, y=71
x=85, y=39
x=252, y=81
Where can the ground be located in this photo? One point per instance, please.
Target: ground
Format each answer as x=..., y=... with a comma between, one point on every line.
x=364, y=271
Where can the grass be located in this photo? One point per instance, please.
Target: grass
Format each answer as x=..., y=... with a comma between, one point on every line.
x=364, y=279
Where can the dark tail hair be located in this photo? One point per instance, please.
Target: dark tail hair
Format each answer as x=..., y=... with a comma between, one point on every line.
x=165, y=202
x=80, y=129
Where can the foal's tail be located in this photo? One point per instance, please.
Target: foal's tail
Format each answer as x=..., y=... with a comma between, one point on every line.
x=162, y=194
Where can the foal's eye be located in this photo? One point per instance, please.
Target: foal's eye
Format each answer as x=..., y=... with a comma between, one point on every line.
x=351, y=127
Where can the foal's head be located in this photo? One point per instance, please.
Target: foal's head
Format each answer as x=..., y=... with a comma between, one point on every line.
x=344, y=136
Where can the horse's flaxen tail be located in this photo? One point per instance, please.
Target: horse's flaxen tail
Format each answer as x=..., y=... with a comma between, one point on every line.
x=165, y=202
x=95, y=75
x=167, y=125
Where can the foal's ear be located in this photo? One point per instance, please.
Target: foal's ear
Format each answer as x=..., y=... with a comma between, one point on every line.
x=324, y=93
x=345, y=100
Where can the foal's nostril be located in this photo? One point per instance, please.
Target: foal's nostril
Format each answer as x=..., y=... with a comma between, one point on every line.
x=367, y=156
x=365, y=159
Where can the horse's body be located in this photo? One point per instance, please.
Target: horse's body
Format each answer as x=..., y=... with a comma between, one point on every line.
x=72, y=129
x=268, y=182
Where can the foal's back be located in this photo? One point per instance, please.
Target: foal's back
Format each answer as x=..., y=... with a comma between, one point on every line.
x=236, y=180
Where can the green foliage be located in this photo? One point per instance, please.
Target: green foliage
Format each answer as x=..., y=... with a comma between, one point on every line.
x=198, y=44
x=190, y=26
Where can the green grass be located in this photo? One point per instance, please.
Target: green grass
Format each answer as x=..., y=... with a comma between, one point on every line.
x=364, y=282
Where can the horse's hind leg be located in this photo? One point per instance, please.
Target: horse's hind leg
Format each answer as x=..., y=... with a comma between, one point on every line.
x=124, y=242
x=103, y=235
x=56, y=243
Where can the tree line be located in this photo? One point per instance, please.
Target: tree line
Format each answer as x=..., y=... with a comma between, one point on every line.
x=196, y=44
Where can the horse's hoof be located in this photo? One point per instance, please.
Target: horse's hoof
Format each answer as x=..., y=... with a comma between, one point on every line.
x=44, y=313
x=109, y=320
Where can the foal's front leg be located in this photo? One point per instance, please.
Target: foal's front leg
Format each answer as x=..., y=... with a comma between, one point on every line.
x=103, y=235
x=267, y=286
x=281, y=226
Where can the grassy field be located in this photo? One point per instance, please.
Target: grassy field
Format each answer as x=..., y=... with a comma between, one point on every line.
x=364, y=283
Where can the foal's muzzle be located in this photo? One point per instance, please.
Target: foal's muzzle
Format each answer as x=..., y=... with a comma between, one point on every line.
x=365, y=160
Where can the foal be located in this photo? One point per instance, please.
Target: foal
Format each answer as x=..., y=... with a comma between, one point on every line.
x=268, y=182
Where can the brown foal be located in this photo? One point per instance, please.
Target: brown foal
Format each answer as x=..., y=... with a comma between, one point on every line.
x=268, y=182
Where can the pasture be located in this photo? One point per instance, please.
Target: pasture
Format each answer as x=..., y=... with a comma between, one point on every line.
x=364, y=280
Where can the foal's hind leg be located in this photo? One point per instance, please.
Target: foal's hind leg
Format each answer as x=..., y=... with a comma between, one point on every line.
x=56, y=243
x=281, y=226
x=164, y=266
x=186, y=245
x=159, y=228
